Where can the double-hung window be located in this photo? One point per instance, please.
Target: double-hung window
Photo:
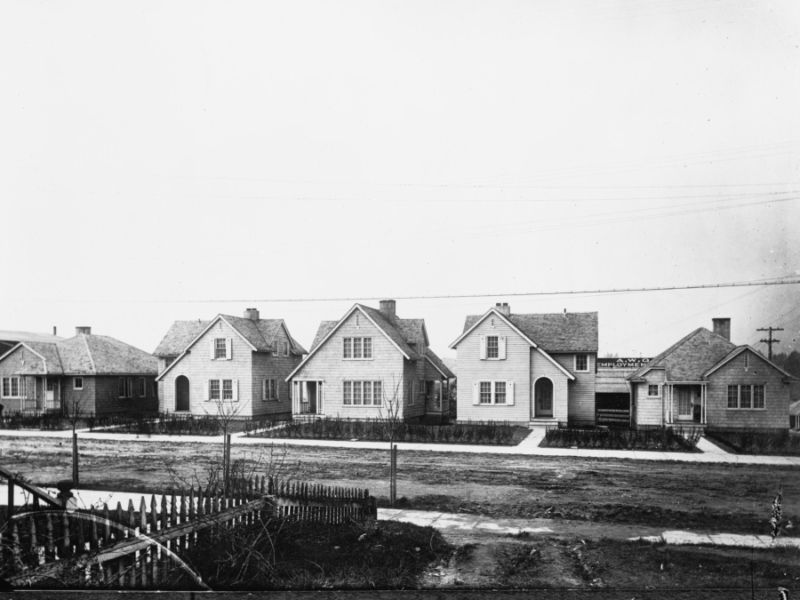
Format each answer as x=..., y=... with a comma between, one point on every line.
x=492, y=346
x=357, y=347
x=222, y=389
x=362, y=393
x=77, y=383
x=493, y=392
x=270, y=390
x=220, y=348
x=582, y=362
x=13, y=387
x=652, y=390
x=746, y=396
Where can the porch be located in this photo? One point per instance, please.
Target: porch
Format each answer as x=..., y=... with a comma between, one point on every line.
x=685, y=405
x=307, y=398
x=35, y=395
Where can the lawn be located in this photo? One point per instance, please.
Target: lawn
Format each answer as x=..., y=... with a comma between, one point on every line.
x=501, y=434
x=716, y=497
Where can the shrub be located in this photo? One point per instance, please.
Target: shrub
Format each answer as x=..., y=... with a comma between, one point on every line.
x=622, y=439
x=379, y=430
x=757, y=441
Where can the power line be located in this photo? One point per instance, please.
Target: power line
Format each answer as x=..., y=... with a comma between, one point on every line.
x=732, y=284
x=770, y=340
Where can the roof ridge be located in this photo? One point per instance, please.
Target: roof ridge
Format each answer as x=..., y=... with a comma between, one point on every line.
x=89, y=353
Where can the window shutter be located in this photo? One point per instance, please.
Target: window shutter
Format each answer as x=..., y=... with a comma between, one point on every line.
x=501, y=347
x=208, y=390
x=228, y=348
x=483, y=347
x=475, y=392
x=264, y=389
x=211, y=349
x=510, y=393
x=236, y=390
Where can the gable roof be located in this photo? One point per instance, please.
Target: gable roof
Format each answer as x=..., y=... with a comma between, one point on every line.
x=259, y=334
x=737, y=351
x=400, y=332
x=178, y=336
x=91, y=354
x=690, y=357
x=553, y=332
x=438, y=364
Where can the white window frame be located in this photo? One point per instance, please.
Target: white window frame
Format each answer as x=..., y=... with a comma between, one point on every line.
x=490, y=348
x=9, y=381
x=126, y=387
x=586, y=356
x=502, y=344
x=77, y=383
x=650, y=386
x=752, y=388
x=362, y=343
x=349, y=387
x=285, y=348
x=223, y=349
x=269, y=390
x=509, y=392
x=221, y=389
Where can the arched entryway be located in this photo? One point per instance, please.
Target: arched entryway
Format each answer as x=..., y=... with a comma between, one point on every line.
x=543, y=398
x=181, y=393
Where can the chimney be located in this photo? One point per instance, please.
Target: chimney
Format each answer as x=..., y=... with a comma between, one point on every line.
x=54, y=330
x=251, y=313
x=388, y=308
x=722, y=327
x=503, y=308
x=83, y=329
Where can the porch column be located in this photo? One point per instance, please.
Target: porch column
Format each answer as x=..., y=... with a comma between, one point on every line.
x=702, y=405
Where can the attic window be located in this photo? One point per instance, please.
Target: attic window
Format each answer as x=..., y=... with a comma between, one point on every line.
x=77, y=383
x=220, y=348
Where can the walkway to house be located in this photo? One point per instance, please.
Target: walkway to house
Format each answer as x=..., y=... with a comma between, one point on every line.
x=460, y=527
x=709, y=452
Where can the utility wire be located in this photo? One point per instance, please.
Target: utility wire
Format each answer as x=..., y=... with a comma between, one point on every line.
x=732, y=284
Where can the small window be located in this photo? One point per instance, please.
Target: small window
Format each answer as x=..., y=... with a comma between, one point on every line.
x=652, y=390
x=347, y=396
x=733, y=396
x=77, y=383
x=499, y=392
x=367, y=347
x=486, y=392
x=347, y=347
x=220, y=348
x=213, y=389
x=377, y=393
x=492, y=347
x=758, y=396
x=581, y=362
x=746, y=360
x=227, y=389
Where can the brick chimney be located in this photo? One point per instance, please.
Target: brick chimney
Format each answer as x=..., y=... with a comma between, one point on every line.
x=722, y=326
x=388, y=308
x=83, y=329
x=503, y=308
x=251, y=313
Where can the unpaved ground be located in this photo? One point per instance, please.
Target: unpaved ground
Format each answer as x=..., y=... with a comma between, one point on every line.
x=733, y=498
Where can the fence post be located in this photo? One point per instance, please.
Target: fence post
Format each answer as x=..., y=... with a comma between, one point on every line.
x=75, y=458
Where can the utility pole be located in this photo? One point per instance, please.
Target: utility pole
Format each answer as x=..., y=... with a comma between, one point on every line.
x=769, y=341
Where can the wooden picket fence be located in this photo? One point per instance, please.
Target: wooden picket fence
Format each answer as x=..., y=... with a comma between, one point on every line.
x=141, y=548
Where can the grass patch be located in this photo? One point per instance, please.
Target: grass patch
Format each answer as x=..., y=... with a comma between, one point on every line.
x=755, y=441
x=500, y=434
x=307, y=556
x=660, y=439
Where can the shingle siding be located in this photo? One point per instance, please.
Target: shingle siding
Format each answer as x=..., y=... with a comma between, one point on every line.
x=329, y=366
x=582, y=389
x=470, y=369
x=198, y=367
x=649, y=410
x=775, y=415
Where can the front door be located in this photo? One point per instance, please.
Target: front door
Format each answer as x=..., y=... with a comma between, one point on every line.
x=543, y=398
x=182, y=393
x=50, y=402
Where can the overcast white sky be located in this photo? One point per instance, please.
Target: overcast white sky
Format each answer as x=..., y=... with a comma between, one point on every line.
x=160, y=157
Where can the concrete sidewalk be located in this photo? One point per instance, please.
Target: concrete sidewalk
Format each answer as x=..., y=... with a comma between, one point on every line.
x=710, y=453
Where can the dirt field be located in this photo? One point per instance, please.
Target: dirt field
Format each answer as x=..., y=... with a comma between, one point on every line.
x=734, y=498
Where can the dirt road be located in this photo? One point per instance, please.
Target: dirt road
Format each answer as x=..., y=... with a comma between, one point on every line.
x=733, y=498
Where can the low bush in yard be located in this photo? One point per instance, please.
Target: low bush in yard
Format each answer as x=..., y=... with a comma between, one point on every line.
x=662, y=439
x=757, y=441
x=47, y=421
x=170, y=424
x=280, y=554
x=380, y=430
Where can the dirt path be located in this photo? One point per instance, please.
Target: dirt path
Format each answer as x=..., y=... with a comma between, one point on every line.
x=732, y=498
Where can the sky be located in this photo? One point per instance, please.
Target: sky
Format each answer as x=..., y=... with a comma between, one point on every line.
x=165, y=160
